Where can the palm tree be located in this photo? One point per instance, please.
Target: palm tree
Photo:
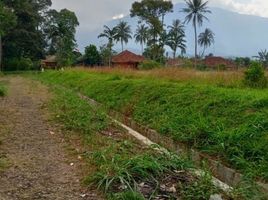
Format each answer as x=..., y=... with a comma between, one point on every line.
x=176, y=37
x=196, y=10
x=141, y=35
x=110, y=35
x=123, y=33
x=206, y=39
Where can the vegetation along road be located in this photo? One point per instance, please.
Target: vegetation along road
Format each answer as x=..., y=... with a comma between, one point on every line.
x=34, y=159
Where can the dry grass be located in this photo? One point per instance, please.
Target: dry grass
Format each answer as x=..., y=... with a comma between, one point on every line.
x=224, y=78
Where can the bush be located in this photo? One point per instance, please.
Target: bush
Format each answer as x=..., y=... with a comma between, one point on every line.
x=18, y=64
x=202, y=67
x=255, y=76
x=149, y=64
x=221, y=67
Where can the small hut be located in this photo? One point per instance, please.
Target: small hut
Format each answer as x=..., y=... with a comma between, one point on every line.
x=127, y=59
x=49, y=63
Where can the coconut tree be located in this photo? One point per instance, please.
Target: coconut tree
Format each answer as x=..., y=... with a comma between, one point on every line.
x=110, y=35
x=196, y=11
x=123, y=33
x=141, y=35
x=206, y=39
x=176, y=37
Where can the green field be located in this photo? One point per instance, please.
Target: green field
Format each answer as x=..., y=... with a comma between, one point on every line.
x=230, y=123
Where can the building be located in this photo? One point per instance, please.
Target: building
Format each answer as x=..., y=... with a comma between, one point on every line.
x=215, y=62
x=49, y=63
x=127, y=59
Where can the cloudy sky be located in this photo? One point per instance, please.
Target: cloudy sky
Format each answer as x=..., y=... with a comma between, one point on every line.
x=92, y=14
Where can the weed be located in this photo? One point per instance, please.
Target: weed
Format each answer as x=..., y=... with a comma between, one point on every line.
x=127, y=195
x=247, y=190
x=3, y=90
x=119, y=169
x=201, y=189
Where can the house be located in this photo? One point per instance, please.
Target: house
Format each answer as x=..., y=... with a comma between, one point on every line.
x=49, y=63
x=127, y=59
x=175, y=62
x=215, y=62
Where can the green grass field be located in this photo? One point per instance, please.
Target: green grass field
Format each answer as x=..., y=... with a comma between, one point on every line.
x=226, y=121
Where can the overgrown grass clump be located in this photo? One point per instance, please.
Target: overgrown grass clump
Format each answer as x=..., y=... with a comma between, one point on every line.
x=228, y=123
x=3, y=90
x=119, y=167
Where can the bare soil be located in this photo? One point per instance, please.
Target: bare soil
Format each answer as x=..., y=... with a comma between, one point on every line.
x=35, y=162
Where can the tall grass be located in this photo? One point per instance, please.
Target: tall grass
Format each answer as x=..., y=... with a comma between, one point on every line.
x=220, y=78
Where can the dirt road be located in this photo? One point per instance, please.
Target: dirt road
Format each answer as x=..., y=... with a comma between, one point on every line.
x=35, y=161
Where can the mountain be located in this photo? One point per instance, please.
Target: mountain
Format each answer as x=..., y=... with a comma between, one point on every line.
x=235, y=34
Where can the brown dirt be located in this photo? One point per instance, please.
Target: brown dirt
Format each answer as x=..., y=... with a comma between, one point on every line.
x=37, y=162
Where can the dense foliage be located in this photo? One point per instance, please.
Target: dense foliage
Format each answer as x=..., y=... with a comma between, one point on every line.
x=30, y=30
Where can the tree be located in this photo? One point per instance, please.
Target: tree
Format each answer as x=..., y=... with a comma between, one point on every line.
x=61, y=31
x=27, y=39
x=196, y=10
x=123, y=33
x=92, y=55
x=7, y=22
x=151, y=11
x=263, y=57
x=110, y=35
x=105, y=54
x=206, y=39
x=176, y=37
x=141, y=35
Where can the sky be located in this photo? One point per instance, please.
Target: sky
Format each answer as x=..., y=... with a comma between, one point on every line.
x=93, y=14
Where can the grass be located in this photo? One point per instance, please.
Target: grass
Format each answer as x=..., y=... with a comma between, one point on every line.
x=229, y=123
x=118, y=165
x=3, y=90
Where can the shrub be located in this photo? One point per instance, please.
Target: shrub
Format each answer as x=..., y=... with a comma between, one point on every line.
x=149, y=64
x=255, y=76
x=202, y=67
x=15, y=64
x=221, y=67
x=187, y=63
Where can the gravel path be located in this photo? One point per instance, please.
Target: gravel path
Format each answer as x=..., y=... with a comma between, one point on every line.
x=39, y=165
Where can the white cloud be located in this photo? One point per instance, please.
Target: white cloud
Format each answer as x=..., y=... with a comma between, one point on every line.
x=120, y=16
x=251, y=7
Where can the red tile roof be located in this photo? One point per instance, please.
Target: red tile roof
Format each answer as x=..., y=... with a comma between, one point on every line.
x=214, y=61
x=127, y=57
